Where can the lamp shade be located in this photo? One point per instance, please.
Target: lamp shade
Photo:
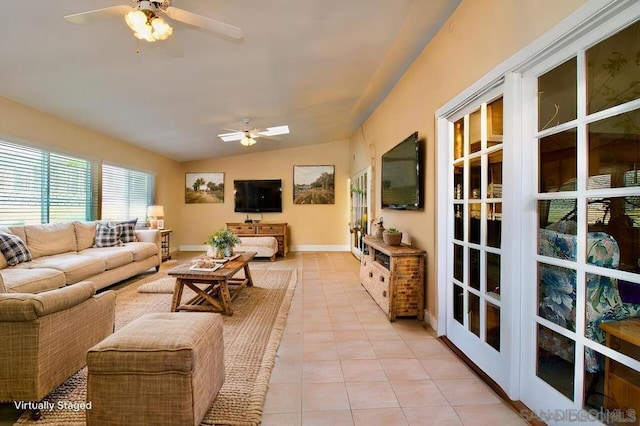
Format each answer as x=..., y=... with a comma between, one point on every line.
x=155, y=211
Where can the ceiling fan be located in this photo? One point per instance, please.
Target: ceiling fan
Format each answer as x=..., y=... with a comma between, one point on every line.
x=247, y=135
x=144, y=17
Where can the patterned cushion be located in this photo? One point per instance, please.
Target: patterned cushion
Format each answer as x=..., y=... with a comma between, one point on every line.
x=126, y=230
x=107, y=236
x=13, y=249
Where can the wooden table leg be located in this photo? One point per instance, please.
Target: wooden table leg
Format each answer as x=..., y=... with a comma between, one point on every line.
x=177, y=294
x=247, y=274
x=225, y=297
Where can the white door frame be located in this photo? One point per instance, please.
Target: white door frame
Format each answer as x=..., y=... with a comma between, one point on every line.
x=585, y=19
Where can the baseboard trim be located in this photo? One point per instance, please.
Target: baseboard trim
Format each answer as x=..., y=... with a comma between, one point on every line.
x=517, y=406
x=431, y=321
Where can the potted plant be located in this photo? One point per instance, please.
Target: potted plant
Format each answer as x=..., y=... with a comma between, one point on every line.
x=223, y=241
x=392, y=236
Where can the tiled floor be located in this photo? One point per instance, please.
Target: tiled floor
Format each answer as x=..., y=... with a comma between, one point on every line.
x=341, y=362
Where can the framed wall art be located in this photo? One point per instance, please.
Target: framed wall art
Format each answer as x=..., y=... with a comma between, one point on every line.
x=314, y=184
x=204, y=188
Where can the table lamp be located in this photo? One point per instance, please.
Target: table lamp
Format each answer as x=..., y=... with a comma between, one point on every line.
x=156, y=217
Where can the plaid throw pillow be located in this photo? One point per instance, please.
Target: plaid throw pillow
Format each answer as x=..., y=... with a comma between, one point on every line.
x=14, y=249
x=126, y=230
x=107, y=236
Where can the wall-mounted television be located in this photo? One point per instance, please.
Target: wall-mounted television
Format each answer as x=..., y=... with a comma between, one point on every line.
x=402, y=175
x=258, y=196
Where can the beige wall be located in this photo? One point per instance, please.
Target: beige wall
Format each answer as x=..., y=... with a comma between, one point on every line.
x=479, y=36
x=310, y=225
x=19, y=123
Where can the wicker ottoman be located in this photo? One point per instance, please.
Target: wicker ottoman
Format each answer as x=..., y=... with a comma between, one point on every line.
x=163, y=368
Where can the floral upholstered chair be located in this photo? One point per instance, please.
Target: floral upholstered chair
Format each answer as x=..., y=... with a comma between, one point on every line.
x=557, y=286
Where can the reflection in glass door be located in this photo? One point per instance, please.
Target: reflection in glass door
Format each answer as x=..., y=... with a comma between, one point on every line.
x=587, y=262
x=474, y=320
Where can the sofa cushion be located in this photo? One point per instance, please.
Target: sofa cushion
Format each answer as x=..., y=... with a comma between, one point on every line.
x=107, y=236
x=24, y=280
x=3, y=289
x=76, y=267
x=113, y=257
x=85, y=234
x=13, y=249
x=50, y=238
x=142, y=251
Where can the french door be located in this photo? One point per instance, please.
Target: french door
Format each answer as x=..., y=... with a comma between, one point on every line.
x=360, y=208
x=582, y=270
x=477, y=309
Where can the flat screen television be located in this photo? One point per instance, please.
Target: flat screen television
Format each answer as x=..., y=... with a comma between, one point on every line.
x=402, y=175
x=258, y=196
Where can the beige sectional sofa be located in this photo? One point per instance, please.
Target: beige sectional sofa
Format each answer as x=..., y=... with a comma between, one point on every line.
x=64, y=253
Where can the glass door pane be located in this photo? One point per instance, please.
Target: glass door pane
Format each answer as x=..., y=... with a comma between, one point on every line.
x=588, y=232
x=359, y=224
x=476, y=199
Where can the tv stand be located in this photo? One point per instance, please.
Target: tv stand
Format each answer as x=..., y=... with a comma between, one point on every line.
x=394, y=277
x=263, y=229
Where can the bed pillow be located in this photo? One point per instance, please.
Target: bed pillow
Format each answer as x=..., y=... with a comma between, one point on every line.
x=14, y=249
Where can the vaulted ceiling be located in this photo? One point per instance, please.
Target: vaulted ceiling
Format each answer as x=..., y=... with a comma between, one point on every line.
x=319, y=66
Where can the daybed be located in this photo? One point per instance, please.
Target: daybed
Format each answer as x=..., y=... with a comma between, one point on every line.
x=37, y=258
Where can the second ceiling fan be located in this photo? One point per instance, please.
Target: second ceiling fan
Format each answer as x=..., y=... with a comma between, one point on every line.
x=247, y=135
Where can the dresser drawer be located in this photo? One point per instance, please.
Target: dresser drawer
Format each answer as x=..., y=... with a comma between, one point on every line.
x=242, y=229
x=270, y=229
x=376, y=281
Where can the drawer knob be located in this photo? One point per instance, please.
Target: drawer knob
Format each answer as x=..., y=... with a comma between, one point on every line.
x=384, y=293
x=381, y=278
x=370, y=274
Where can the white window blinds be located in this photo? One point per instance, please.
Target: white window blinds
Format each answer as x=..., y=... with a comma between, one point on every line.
x=38, y=186
x=125, y=193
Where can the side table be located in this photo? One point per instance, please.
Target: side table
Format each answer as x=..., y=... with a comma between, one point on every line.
x=622, y=384
x=165, y=245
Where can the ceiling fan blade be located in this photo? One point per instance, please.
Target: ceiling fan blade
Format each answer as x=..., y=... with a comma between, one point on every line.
x=212, y=25
x=85, y=17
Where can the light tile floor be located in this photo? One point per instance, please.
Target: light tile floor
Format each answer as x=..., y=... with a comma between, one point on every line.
x=341, y=362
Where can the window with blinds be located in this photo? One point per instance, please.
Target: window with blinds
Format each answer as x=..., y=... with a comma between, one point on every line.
x=38, y=186
x=126, y=193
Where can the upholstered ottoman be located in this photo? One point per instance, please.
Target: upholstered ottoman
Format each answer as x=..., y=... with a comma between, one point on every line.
x=163, y=368
x=263, y=246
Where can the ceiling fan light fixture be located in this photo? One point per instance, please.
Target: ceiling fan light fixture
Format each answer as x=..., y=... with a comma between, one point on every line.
x=161, y=30
x=147, y=26
x=247, y=140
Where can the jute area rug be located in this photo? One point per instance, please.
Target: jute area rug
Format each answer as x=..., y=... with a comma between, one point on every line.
x=251, y=338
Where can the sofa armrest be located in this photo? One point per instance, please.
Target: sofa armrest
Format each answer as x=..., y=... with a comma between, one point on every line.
x=28, y=306
x=148, y=236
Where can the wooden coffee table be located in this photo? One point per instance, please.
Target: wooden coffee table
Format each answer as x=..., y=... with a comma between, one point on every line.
x=219, y=289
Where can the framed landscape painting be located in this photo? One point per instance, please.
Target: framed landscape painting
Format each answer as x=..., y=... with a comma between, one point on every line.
x=313, y=184
x=204, y=188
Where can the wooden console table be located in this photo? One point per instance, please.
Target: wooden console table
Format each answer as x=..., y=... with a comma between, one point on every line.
x=394, y=277
x=264, y=229
x=622, y=384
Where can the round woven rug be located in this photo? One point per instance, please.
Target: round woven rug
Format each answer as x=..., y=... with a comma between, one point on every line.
x=251, y=338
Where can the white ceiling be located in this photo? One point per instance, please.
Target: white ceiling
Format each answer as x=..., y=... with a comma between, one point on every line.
x=320, y=66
